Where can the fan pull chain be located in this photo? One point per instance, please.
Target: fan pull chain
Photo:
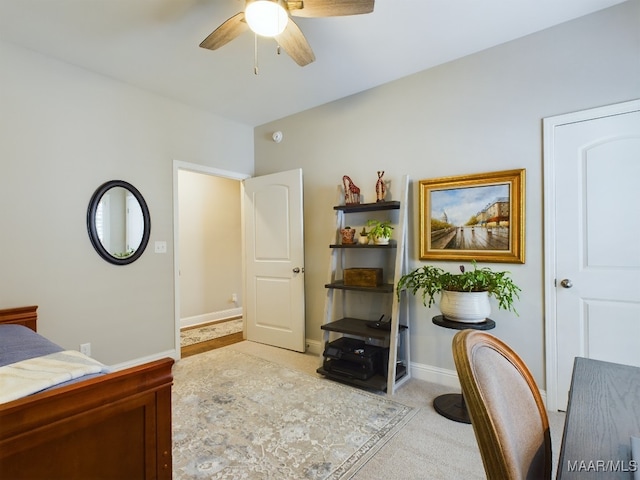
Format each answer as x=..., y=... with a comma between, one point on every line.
x=255, y=54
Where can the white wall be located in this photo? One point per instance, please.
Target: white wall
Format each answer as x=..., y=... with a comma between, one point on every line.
x=210, y=247
x=63, y=132
x=481, y=113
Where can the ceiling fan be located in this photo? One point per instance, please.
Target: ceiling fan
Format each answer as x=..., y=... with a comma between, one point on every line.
x=272, y=18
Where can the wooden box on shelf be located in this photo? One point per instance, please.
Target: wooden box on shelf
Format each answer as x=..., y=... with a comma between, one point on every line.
x=363, y=277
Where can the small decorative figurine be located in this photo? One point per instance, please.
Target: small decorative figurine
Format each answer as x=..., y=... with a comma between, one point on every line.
x=351, y=191
x=363, y=239
x=348, y=235
x=381, y=189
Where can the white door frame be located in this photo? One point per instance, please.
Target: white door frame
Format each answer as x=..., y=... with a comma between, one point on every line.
x=196, y=168
x=549, y=125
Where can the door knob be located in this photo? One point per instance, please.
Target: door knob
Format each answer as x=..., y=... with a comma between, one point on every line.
x=296, y=270
x=566, y=283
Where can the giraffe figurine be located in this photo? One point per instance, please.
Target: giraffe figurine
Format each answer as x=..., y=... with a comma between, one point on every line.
x=351, y=191
x=381, y=189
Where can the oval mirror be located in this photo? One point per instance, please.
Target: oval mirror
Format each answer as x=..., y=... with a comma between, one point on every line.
x=118, y=222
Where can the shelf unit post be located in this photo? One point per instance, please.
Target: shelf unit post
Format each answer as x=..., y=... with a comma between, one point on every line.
x=400, y=269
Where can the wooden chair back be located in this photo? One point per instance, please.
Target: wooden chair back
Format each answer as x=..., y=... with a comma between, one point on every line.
x=507, y=413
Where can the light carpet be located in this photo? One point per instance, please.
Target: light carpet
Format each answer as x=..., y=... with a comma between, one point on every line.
x=237, y=416
x=192, y=336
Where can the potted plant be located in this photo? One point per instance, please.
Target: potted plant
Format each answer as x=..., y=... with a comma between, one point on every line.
x=363, y=239
x=465, y=295
x=380, y=232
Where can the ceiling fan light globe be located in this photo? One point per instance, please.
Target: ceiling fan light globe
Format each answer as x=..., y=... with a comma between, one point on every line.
x=266, y=17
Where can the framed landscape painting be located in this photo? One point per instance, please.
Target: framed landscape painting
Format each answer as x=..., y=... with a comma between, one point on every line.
x=473, y=217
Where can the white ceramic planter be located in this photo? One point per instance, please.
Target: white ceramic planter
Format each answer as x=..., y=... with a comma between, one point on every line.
x=381, y=240
x=465, y=307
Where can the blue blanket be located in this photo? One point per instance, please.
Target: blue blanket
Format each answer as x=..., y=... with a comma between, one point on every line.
x=18, y=343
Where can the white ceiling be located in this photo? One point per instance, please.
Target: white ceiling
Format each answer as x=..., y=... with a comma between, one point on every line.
x=153, y=44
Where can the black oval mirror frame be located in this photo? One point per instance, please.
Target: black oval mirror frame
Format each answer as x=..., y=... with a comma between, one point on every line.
x=93, y=232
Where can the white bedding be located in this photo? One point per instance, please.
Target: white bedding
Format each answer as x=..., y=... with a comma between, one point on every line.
x=35, y=374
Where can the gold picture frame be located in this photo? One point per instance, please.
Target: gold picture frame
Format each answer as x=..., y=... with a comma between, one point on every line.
x=473, y=217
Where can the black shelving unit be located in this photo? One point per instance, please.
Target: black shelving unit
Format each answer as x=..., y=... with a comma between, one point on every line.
x=368, y=207
x=339, y=284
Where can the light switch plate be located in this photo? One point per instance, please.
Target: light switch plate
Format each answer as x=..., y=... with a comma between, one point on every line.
x=161, y=247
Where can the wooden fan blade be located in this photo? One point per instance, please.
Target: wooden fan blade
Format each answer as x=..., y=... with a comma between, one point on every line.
x=293, y=42
x=329, y=8
x=226, y=32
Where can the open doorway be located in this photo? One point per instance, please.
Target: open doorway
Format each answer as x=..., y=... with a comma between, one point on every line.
x=207, y=247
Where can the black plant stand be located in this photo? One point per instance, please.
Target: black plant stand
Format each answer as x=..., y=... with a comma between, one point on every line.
x=451, y=405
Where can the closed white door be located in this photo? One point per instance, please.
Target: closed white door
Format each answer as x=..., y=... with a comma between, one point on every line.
x=592, y=222
x=274, y=256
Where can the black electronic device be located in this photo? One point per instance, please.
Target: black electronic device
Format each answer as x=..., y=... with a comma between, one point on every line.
x=354, y=358
x=380, y=324
x=343, y=345
x=348, y=369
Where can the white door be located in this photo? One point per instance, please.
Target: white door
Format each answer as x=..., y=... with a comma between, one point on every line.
x=592, y=244
x=274, y=256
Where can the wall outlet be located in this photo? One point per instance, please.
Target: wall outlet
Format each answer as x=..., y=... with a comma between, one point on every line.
x=85, y=349
x=234, y=297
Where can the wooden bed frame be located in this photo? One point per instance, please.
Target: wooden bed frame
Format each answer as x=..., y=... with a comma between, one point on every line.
x=116, y=426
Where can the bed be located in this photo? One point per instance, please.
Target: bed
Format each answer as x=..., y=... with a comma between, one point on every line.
x=111, y=426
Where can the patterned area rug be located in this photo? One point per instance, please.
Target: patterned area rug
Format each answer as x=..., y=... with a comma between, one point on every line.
x=209, y=332
x=236, y=416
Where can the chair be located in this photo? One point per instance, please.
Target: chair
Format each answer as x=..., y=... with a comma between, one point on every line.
x=509, y=419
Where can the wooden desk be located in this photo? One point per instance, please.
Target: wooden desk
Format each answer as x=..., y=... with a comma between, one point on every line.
x=602, y=414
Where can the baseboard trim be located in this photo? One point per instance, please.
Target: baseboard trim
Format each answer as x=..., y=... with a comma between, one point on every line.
x=210, y=317
x=314, y=347
x=441, y=376
x=142, y=360
x=448, y=378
